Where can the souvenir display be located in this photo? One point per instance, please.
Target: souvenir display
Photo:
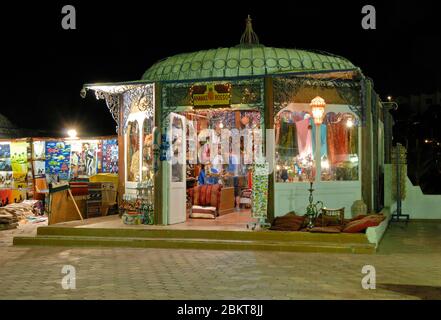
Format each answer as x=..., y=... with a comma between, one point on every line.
x=110, y=156
x=39, y=150
x=58, y=158
x=19, y=157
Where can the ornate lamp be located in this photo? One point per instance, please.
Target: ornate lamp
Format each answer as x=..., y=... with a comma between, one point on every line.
x=318, y=105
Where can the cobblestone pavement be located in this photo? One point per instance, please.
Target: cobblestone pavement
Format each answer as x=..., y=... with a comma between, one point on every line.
x=408, y=266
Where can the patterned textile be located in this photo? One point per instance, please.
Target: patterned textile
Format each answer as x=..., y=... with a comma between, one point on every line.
x=58, y=158
x=304, y=137
x=337, y=136
x=260, y=191
x=110, y=156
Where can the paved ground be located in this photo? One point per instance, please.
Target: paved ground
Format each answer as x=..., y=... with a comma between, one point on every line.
x=408, y=266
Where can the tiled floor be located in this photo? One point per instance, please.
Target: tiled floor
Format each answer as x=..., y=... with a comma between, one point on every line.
x=235, y=221
x=408, y=266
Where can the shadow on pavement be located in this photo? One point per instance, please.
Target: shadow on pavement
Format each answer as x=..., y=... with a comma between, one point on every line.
x=420, y=292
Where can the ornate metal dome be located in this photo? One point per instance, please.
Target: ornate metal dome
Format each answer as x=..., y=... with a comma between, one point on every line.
x=249, y=58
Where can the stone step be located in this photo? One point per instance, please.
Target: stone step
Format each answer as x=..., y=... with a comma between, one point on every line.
x=267, y=235
x=191, y=243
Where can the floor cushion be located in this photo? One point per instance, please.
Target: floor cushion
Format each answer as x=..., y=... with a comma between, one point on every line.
x=358, y=217
x=288, y=222
x=197, y=215
x=360, y=225
x=200, y=209
x=203, y=212
x=329, y=229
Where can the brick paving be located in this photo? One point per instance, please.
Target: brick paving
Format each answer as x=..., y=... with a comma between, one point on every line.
x=408, y=266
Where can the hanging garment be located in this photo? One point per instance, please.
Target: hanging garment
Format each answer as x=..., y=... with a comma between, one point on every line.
x=337, y=138
x=304, y=138
x=288, y=145
x=323, y=138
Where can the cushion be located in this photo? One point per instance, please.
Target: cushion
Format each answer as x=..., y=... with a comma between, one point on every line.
x=195, y=195
x=215, y=195
x=360, y=225
x=197, y=215
x=358, y=217
x=330, y=229
x=288, y=222
x=376, y=217
x=199, y=209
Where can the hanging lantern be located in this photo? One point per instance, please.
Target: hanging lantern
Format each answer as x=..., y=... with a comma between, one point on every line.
x=318, y=109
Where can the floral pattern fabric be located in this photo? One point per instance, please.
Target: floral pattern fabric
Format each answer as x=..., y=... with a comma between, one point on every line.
x=259, y=196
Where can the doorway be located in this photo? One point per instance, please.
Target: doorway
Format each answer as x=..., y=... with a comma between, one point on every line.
x=213, y=152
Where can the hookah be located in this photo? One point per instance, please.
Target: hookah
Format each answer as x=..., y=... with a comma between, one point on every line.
x=313, y=209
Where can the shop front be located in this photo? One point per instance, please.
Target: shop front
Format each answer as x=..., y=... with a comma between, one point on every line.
x=236, y=135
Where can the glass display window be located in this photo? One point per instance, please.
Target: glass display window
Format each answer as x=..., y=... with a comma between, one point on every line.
x=132, y=147
x=177, y=146
x=294, y=147
x=147, y=150
x=340, y=159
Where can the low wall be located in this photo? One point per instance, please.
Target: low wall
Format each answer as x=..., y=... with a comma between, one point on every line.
x=375, y=234
x=417, y=204
x=420, y=205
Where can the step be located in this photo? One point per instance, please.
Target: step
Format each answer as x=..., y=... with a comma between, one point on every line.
x=204, y=244
x=264, y=235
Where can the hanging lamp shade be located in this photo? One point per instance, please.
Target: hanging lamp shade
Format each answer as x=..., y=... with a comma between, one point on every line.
x=318, y=105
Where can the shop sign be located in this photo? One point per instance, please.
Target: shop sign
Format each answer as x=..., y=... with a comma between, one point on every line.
x=211, y=95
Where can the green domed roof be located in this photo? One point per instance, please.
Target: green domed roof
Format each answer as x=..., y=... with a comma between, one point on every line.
x=243, y=60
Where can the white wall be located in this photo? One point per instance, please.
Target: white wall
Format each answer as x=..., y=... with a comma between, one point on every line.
x=419, y=205
x=416, y=204
x=294, y=196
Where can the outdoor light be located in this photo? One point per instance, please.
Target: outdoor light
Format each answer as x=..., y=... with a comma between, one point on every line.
x=72, y=133
x=318, y=109
x=389, y=98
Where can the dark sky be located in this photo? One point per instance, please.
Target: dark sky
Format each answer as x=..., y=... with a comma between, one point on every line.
x=45, y=66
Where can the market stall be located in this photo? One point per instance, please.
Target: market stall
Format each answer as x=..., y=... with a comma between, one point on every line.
x=263, y=121
x=29, y=166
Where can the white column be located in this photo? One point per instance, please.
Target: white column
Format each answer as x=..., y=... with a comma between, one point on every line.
x=318, y=171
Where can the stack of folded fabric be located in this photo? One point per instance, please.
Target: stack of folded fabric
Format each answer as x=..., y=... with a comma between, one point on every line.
x=11, y=214
x=7, y=221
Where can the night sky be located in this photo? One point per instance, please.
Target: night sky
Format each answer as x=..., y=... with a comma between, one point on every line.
x=45, y=66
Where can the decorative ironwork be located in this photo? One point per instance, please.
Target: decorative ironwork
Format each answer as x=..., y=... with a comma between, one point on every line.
x=249, y=37
x=138, y=99
x=112, y=102
x=286, y=88
x=140, y=96
x=248, y=92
